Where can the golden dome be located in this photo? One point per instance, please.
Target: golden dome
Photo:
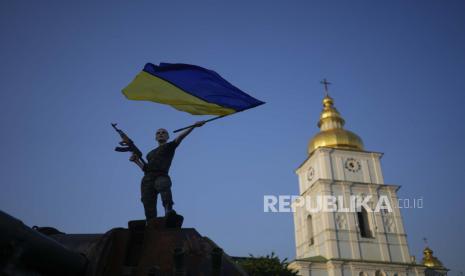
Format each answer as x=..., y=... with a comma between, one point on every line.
x=332, y=134
x=336, y=138
x=429, y=260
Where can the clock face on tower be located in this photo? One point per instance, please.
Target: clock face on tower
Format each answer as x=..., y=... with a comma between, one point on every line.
x=352, y=165
x=310, y=173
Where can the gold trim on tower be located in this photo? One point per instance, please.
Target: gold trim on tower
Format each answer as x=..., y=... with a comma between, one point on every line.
x=332, y=133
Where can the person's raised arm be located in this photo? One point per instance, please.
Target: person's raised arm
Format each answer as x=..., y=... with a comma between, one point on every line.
x=183, y=135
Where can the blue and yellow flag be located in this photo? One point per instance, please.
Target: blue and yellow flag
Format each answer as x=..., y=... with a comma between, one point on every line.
x=189, y=88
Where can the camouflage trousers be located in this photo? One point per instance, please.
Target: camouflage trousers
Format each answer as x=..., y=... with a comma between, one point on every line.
x=150, y=187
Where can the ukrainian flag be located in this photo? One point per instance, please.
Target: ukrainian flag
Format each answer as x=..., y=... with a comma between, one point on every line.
x=189, y=88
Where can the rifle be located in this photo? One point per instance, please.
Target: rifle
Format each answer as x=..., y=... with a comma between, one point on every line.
x=128, y=145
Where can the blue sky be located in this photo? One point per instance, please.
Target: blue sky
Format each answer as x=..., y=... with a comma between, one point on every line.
x=397, y=69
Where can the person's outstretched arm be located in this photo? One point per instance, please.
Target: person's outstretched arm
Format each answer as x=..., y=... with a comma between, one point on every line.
x=183, y=135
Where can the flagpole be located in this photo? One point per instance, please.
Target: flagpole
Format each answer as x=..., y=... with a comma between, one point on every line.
x=218, y=117
x=206, y=121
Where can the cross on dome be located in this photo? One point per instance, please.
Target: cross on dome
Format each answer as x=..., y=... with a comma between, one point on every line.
x=325, y=83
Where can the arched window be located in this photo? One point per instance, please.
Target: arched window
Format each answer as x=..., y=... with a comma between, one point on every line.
x=380, y=273
x=363, y=274
x=310, y=230
x=364, y=224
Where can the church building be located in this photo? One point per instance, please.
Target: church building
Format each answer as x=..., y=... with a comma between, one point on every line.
x=354, y=243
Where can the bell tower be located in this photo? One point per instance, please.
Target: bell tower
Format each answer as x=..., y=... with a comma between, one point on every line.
x=347, y=242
